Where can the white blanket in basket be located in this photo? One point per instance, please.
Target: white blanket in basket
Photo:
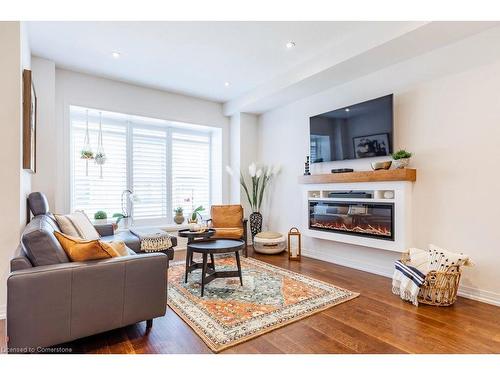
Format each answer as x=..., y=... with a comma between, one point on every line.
x=408, y=278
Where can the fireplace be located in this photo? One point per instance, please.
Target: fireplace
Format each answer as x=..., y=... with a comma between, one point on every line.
x=374, y=220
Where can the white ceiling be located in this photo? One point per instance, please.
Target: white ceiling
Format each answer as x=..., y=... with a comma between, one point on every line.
x=194, y=58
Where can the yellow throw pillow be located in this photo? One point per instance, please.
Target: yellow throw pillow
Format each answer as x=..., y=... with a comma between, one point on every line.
x=117, y=246
x=79, y=250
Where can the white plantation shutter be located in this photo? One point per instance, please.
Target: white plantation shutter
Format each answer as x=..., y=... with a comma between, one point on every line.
x=91, y=193
x=161, y=164
x=190, y=170
x=149, y=167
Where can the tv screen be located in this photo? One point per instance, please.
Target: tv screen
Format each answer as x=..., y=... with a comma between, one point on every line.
x=362, y=130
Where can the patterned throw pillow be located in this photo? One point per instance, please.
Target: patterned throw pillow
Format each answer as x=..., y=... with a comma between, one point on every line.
x=77, y=225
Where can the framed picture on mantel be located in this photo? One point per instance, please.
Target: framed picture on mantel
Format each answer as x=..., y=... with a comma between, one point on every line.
x=29, y=123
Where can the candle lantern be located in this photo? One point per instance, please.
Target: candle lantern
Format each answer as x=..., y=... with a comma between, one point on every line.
x=294, y=244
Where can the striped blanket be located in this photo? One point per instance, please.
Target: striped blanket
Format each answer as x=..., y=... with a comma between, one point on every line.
x=406, y=282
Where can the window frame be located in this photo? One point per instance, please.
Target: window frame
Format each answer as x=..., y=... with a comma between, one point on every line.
x=168, y=127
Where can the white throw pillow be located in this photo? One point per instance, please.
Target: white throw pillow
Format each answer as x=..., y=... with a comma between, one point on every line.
x=77, y=225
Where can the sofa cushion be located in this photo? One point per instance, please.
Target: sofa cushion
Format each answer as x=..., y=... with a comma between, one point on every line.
x=77, y=225
x=79, y=250
x=39, y=243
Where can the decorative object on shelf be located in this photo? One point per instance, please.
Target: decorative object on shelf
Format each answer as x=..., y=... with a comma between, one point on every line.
x=294, y=244
x=179, y=216
x=269, y=243
x=261, y=178
x=29, y=122
x=118, y=216
x=376, y=165
x=306, y=167
x=86, y=153
x=101, y=217
x=389, y=194
x=100, y=156
x=401, y=158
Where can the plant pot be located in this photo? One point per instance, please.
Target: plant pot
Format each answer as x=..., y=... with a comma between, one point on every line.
x=193, y=225
x=255, y=223
x=401, y=163
x=100, y=221
x=179, y=218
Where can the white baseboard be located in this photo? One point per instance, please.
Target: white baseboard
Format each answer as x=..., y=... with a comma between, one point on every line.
x=382, y=271
x=3, y=311
x=476, y=294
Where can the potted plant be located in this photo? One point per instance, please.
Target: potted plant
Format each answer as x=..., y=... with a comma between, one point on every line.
x=401, y=158
x=193, y=220
x=179, y=217
x=101, y=217
x=260, y=178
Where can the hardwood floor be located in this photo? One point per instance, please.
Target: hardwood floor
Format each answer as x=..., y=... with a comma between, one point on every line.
x=375, y=322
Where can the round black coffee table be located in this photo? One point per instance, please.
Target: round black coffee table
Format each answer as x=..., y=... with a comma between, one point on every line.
x=210, y=248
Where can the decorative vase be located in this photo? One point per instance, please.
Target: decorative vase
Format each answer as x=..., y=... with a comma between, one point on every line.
x=255, y=223
x=401, y=163
x=179, y=218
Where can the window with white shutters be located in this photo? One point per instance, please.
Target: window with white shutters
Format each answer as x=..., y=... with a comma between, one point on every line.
x=165, y=166
x=190, y=171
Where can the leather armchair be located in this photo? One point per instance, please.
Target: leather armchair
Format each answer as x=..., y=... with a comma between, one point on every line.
x=229, y=222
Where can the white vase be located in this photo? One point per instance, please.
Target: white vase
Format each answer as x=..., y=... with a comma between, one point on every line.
x=401, y=163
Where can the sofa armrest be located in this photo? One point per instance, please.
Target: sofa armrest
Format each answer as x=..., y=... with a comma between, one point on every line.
x=105, y=229
x=49, y=305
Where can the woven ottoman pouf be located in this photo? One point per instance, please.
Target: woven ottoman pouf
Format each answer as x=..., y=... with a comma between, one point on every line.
x=269, y=243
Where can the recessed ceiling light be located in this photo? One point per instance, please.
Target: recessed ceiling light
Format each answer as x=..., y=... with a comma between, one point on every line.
x=290, y=44
x=226, y=84
x=116, y=55
x=347, y=109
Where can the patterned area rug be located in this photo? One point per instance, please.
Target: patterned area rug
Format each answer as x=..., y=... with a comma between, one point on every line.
x=230, y=314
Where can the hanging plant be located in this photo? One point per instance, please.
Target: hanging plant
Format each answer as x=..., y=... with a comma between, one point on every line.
x=86, y=152
x=100, y=156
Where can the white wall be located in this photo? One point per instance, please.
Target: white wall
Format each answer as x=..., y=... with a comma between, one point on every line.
x=73, y=88
x=451, y=123
x=15, y=182
x=243, y=151
x=44, y=73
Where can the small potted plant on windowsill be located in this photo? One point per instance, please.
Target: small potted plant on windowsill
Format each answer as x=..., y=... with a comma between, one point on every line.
x=401, y=158
x=100, y=217
x=179, y=217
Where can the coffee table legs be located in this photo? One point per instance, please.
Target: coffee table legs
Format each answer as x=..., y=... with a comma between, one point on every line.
x=237, y=253
x=188, y=264
x=204, y=272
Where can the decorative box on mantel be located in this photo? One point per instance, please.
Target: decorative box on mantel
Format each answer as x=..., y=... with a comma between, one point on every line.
x=369, y=208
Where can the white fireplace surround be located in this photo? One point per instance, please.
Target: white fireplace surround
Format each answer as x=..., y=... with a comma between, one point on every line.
x=402, y=212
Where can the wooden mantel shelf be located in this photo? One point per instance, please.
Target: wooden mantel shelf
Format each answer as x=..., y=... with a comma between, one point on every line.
x=406, y=174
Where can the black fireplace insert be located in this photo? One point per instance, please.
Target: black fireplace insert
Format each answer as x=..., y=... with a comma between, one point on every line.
x=375, y=220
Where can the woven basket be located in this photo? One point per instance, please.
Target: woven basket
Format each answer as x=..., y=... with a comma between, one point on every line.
x=440, y=287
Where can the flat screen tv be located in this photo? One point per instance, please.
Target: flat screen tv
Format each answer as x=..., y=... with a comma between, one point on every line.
x=362, y=130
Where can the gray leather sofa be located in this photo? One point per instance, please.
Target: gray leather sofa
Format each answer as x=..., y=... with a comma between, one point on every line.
x=51, y=300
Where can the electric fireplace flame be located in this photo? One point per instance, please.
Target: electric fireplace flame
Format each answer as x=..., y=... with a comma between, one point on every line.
x=368, y=229
x=354, y=218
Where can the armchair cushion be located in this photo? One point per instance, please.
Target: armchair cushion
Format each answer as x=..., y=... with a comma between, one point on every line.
x=233, y=233
x=227, y=216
